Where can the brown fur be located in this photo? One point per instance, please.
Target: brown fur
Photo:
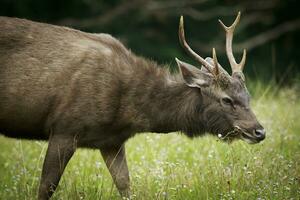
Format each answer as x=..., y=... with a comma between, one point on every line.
x=88, y=90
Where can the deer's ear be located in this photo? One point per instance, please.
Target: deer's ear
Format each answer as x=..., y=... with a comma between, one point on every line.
x=192, y=76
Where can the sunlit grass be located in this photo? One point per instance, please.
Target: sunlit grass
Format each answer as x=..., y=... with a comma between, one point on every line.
x=175, y=167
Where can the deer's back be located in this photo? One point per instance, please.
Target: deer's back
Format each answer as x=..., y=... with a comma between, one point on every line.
x=50, y=73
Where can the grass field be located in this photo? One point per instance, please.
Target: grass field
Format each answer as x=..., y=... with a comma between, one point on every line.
x=175, y=167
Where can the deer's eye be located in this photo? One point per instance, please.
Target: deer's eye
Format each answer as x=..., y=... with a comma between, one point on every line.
x=227, y=101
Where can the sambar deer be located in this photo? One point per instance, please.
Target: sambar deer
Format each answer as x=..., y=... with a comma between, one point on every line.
x=79, y=89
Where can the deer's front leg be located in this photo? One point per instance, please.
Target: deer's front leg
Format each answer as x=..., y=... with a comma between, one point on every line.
x=60, y=150
x=115, y=160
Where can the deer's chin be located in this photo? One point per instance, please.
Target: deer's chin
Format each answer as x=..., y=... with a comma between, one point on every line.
x=248, y=138
x=249, y=141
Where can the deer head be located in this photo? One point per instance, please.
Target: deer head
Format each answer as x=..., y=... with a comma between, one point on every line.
x=225, y=98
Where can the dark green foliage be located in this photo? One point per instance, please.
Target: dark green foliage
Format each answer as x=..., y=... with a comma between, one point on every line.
x=149, y=28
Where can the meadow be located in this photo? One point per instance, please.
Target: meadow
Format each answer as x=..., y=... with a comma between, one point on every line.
x=174, y=167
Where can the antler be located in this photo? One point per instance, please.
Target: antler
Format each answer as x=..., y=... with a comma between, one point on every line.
x=212, y=69
x=229, y=35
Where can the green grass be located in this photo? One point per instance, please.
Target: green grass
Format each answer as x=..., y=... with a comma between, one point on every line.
x=175, y=167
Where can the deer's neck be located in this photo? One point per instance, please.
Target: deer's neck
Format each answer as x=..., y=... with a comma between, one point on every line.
x=172, y=106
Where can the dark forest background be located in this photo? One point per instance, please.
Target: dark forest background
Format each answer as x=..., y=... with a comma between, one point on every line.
x=269, y=29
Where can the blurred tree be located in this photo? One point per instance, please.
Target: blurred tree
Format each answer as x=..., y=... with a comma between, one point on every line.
x=269, y=29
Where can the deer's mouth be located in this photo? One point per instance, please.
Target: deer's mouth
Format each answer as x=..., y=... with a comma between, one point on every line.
x=246, y=136
x=238, y=132
x=229, y=136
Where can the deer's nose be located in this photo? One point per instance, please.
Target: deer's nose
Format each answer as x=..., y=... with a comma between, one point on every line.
x=260, y=134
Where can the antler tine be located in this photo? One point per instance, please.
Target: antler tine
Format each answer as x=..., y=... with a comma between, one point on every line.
x=189, y=50
x=215, y=62
x=243, y=61
x=229, y=36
